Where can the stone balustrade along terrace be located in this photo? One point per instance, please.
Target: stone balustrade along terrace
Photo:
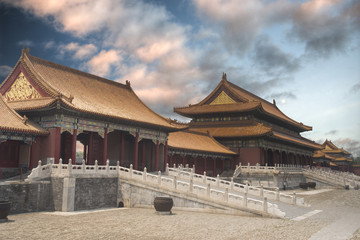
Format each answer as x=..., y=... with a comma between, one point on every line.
x=205, y=192
x=235, y=187
x=334, y=177
x=325, y=174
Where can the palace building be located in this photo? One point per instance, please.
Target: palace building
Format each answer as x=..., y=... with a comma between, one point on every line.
x=332, y=156
x=50, y=111
x=250, y=126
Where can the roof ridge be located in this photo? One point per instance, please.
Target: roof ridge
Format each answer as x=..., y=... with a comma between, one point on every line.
x=247, y=92
x=70, y=69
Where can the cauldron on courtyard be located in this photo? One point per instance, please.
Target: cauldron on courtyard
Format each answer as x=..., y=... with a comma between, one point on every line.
x=163, y=204
x=4, y=209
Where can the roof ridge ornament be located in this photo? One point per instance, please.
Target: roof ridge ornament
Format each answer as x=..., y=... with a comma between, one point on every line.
x=224, y=77
x=25, y=119
x=274, y=102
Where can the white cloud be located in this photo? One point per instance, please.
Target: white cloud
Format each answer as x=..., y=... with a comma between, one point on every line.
x=103, y=63
x=79, y=51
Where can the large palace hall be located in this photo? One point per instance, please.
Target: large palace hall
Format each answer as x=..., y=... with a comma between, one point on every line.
x=51, y=112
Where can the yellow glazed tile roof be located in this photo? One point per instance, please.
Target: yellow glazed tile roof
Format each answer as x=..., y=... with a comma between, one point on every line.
x=87, y=93
x=197, y=142
x=236, y=131
x=11, y=121
x=246, y=101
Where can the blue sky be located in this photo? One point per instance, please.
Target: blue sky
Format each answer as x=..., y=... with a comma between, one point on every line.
x=305, y=54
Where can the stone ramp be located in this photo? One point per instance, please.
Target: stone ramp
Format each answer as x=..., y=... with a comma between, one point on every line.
x=75, y=178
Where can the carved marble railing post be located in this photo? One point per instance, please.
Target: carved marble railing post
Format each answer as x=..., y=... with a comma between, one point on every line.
x=167, y=169
x=261, y=190
x=191, y=185
x=208, y=190
x=159, y=178
x=83, y=166
x=107, y=166
x=130, y=171
x=232, y=183
x=245, y=200
x=248, y=166
x=96, y=165
x=277, y=194
x=69, y=166
x=217, y=180
x=265, y=205
x=144, y=174
x=226, y=195
x=294, y=199
x=39, y=164
x=175, y=182
x=204, y=178
x=60, y=166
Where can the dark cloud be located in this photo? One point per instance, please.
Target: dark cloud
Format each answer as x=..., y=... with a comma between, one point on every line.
x=332, y=132
x=350, y=145
x=355, y=88
x=287, y=95
x=5, y=70
x=325, y=28
x=271, y=59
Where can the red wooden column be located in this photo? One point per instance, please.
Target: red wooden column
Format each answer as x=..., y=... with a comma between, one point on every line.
x=183, y=160
x=214, y=171
x=105, y=147
x=122, y=148
x=90, y=149
x=136, y=151
x=157, y=156
x=73, y=148
x=165, y=155
x=143, y=154
x=171, y=161
x=57, y=144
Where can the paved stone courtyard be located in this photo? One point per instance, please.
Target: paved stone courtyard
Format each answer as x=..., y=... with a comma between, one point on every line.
x=339, y=218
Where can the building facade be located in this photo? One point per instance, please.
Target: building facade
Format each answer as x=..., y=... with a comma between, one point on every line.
x=250, y=126
x=74, y=112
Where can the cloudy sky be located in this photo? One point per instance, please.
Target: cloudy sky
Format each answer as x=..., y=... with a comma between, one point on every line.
x=303, y=53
